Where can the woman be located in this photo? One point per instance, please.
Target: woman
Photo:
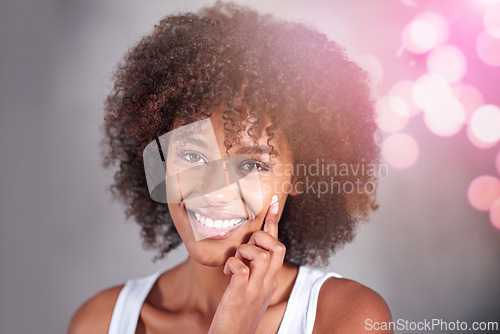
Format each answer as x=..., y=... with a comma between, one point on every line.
x=238, y=134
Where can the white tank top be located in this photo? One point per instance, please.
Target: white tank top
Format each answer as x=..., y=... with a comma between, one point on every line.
x=299, y=316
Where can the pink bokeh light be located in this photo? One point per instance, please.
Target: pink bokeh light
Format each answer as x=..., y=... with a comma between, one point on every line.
x=425, y=32
x=476, y=141
x=491, y=21
x=495, y=214
x=445, y=117
x=404, y=90
x=483, y=191
x=447, y=61
x=400, y=150
x=485, y=123
x=419, y=37
x=429, y=89
x=392, y=113
x=488, y=49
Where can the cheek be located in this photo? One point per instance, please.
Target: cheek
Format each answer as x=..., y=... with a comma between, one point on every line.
x=252, y=193
x=270, y=185
x=180, y=219
x=277, y=183
x=175, y=212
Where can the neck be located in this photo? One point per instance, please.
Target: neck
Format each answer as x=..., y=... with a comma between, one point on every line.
x=205, y=286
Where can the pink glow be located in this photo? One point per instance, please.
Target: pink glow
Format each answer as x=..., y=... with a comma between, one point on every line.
x=373, y=66
x=392, y=113
x=470, y=97
x=429, y=89
x=495, y=214
x=404, y=90
x=485, y=123
x=400, y=150
x=447, y=61
x=483, y=191
x=488, y=49
x=445, y=118
x=491, y=21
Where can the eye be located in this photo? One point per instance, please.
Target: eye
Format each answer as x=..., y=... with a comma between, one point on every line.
x=193, y=157
x=251, y=165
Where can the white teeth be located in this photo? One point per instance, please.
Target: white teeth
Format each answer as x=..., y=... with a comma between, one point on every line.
x=217, y=223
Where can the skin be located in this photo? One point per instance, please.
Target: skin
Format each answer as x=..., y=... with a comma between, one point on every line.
x=239, y=284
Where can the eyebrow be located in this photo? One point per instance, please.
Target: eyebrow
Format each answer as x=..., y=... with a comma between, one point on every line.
x=194, y=141
x=254, y=149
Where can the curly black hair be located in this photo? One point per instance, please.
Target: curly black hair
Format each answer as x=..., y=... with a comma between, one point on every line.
x=254, y=65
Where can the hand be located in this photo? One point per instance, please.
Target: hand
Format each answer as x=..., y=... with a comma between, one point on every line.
x=254, y=269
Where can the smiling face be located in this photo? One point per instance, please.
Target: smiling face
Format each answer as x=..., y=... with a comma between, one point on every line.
x=217, y=198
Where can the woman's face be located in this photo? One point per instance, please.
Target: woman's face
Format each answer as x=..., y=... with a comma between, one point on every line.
x=217, y=198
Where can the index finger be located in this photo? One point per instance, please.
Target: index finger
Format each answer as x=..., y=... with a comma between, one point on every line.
x=271, y=219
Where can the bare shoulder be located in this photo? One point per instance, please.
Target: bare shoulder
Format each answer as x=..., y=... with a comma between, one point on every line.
x=94, y=316
x=346, y=306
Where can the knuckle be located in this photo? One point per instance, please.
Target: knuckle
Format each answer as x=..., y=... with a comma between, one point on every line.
x=233, y=261
x=264, y=256
x=243, y=270
x=280, y=249
x=239, y=267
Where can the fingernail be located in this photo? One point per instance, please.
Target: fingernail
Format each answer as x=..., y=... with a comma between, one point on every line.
x=274, y=208
x=274, y=199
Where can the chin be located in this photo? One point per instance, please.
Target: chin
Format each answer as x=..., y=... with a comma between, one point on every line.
x=215, y=252
x=211, y=253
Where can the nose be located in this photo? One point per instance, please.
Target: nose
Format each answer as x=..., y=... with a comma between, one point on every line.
x=216, y=188
x=222, y=196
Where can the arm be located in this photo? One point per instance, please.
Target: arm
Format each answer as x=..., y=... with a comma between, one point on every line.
x=94, y=316
x=345, y=306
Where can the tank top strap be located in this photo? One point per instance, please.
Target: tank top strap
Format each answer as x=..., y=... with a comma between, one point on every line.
x=300, y=312
x=129, y=303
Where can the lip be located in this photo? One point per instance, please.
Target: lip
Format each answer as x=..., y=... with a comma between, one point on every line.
x=204, y=232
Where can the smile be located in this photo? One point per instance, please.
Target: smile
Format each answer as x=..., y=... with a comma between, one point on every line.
x=218, y=223
x=208, y=224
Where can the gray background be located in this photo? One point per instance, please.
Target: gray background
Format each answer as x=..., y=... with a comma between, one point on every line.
x=62, y=239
